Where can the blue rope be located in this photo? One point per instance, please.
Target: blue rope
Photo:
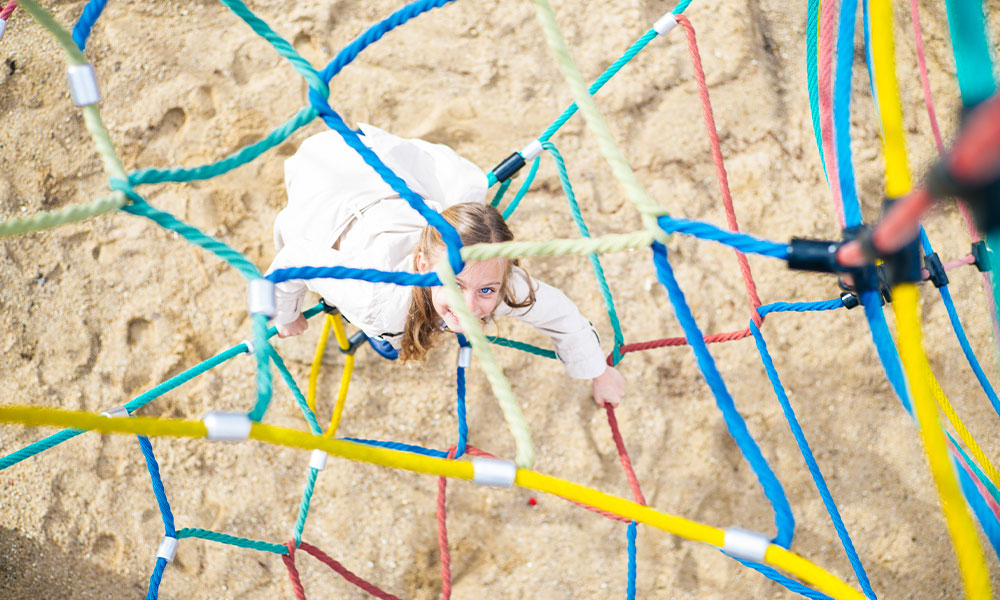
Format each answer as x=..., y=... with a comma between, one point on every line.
x=81, y=31
x=800, y=306
x=154, y=580
x=507, y=212
x=740, y=241
x=884, y=345
x=340, y=272
x=807, y=455
x=463, y=425
x=400, y=446
x=984, y=515
x=784, y=520
x=631, y=535
x=842, y=112
x=161, y=496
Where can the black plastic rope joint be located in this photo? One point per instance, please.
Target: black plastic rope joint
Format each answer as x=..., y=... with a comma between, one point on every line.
x=903, y=266
x=935, y=270
x=329, y=308
x=850, y=300
x=981, y=254
x=510, y=165
x=819, y=256
x=355, y=342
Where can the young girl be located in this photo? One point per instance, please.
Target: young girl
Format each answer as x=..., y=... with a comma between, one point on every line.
x=341, y=212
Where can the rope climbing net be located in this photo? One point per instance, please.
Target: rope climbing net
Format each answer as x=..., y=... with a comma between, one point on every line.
x=961, y=468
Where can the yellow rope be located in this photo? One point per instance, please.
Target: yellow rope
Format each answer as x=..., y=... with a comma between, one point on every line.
x=897, y=174
x=461, y=469
x=620, y=167
x=525, y=454
x=345, y=377
x=324, y=335
x=963, y=433
x=963, y=532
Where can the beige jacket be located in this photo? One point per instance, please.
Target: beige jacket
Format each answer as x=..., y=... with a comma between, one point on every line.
x=340, y=212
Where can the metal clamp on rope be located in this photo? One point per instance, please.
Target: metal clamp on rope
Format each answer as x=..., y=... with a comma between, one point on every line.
x=510, y=165
x=317, y=460
x=227, y=427
x=251, y=348
x=167, y=549
x=533, y=149
x=355, y=342
x=83, y=84
x=665, y=24
x=935, y=270
x=740, y=543
x=981, y=254
x=117, y=411
x=464, y=356
x=260, y=297
x=493, y=472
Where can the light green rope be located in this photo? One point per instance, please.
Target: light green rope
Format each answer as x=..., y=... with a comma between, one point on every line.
x=634, y=191
x=69, y=214
x=525, y=456
x=609, y=243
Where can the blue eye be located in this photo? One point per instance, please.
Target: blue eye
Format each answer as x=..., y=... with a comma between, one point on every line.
x=486, y=291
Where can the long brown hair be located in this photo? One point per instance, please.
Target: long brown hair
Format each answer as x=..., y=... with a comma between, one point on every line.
x=476, y=223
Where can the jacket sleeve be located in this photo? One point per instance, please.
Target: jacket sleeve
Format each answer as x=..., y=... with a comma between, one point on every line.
x=290, y=294
x=555, y=315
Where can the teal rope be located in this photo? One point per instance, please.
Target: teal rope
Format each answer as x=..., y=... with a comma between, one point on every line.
x=499, y=341
x=300, y=522
x=500, y=192
x=283, y=48
x=812, y=77
x=973, y=65
x=237, y=159
x=296, y=392
x=523, y=190
x=595, y=260
x=232, y=540
x=166, y=220
x=261, y=347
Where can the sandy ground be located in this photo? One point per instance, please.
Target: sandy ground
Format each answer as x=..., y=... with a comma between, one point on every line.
x=97, y=312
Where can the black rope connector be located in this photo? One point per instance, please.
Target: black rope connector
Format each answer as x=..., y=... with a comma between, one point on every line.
x=935, y=270
x=850, y=300
x=814, y=255
x=981, y=254
x=329, y=308
x=510, y=165
x=354, y=342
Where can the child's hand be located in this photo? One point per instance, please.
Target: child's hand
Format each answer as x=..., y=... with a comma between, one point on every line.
x=293, y=328
x=609, y=387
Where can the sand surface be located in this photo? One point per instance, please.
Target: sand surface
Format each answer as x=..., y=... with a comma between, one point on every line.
x=97, y=312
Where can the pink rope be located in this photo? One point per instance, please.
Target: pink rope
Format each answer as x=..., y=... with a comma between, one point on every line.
x=623, y=455
x=443, y=533
x=720, y=168
x=8, y=9
x=293, y=573
x=827, y=21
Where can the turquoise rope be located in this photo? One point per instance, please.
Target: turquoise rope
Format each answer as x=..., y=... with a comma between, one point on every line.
x=233, y=161
x=300, y=522
x=500, y=191
x=232, y=540
x=279, y=43
x=595, y=260
x=300, y=399
x=973, y=64
x=523, y=190
x=499, y=341
x=812, y=80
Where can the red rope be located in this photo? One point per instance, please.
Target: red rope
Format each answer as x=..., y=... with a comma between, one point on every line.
x=720, y=168
x=623, y=455
x=343, y=572
x=827, y=21
x=680, y=341
x=293, y=573
x=443, y=533
x=8, y=9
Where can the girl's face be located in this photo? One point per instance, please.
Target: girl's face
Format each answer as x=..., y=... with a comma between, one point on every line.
x=480, y=283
